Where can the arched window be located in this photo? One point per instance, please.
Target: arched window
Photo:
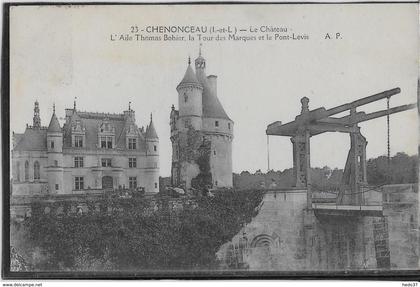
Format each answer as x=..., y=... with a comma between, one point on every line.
x=36, y=171
x=26, y=170
x=18, y=171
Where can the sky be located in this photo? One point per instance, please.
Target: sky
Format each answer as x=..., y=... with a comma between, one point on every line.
x=59, y=53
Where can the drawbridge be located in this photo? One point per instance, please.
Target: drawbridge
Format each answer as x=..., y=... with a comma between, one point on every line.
x=349, y=199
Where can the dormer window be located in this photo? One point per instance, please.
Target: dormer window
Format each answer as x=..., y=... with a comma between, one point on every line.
x=78, y=133
x=106, y=134
x=78, y=141
x=132, y=143
x=131, y=137
x=106, y=142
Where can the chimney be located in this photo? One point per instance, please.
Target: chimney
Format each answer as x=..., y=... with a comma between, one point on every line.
x=130, y=114
x=212, y=80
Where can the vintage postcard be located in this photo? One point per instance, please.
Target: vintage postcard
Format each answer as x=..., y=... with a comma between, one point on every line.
x=210, y=140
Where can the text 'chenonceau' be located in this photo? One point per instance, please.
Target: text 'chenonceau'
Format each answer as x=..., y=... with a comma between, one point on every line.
x=210, y=33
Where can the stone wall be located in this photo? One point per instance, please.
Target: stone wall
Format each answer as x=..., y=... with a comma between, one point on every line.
x=401, y=211
x=20, y=157
x=274, y=240
x=193, y=159
x=30, y=188
x=286, y=236
x=340, y=243
x=221, y=161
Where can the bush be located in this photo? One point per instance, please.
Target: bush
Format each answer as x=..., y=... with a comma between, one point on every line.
x=135, y=240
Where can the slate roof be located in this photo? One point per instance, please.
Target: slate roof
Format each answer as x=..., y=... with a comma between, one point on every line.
x=91, y=121
x=189, y=77
x=151, y=131
x=212, y=108
x=33, y=139
x=16, y=138
x=54, y=126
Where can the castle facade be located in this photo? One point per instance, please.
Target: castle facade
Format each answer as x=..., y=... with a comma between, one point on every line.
x=92, y=151
x=201, y=132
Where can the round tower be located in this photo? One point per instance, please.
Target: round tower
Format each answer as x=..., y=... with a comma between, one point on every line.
x=190, y=100
x=55, y=155
x=152, y=154
x=217, y=127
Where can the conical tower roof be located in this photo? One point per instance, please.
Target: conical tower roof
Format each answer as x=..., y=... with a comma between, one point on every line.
x=212, y=108
x=189, y=77
x=150, y=130
x=54, y=126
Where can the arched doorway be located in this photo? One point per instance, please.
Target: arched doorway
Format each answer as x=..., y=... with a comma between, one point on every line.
x=262, y=252
x=107, y=182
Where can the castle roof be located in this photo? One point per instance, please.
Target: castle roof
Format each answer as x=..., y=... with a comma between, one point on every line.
x=189, y=77
x=17, y=137
x=54, y=126
x=212, y=108
x=33, y=139
x=91, y=123
x=151, y=131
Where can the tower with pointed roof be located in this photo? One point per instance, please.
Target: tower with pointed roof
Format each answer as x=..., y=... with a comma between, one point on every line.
x=152, y=155
x=200, y=115
x=190, y=99
x=54, y=167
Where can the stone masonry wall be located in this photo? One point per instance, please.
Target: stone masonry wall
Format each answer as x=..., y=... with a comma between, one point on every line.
x=286, y=236
x=401, y=211
x=274, y=240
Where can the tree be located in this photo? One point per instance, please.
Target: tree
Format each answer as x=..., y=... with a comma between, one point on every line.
x=400, y=169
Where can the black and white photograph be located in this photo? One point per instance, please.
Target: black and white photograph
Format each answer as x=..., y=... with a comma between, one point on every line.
x=183, y=140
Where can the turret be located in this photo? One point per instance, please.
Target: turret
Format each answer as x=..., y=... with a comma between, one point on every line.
x=152, y=138
x=200, y=68
x=190, y=100
x=54, y=135
x=55, y=155
x=152, y=153
x=130, y=114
